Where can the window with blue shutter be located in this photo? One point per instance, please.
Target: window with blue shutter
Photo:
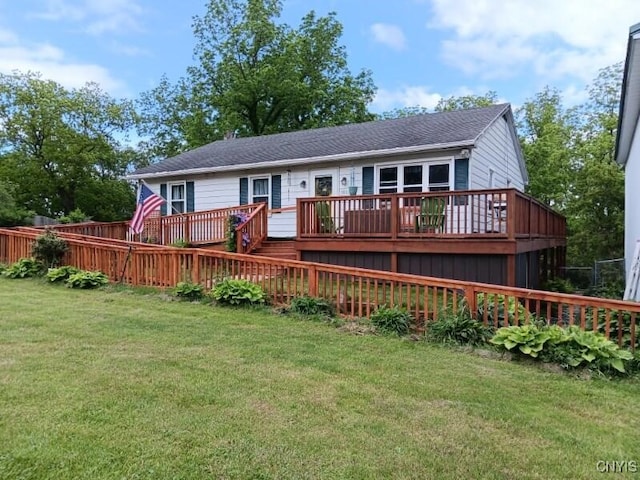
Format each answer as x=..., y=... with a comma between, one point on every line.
x=276, y=191
x=367, y=186
x=190, y=197
x=244, y=191
x=461, y=178
x=163, y=194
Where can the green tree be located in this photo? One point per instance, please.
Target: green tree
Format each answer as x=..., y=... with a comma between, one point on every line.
x=61, y=146
x=465, y=102
x=546, y=135
x=11, y=214
x=255, y=76
x=595, y=211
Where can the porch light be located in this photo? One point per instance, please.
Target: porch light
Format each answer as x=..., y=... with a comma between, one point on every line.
x=343, y=182
x=303, y=184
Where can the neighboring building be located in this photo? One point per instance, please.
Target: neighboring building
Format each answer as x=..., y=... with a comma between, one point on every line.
x=481, y=235
x=628, y=143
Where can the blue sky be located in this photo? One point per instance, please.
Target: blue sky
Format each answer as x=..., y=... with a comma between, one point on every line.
x=418, y=50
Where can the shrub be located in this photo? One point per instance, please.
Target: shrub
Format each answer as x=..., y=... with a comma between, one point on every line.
x=312, y=306
x=189, y=291
x=238, y=292
x=87, y=279
x=74, y=216
x=559, y=285
x=592, y=349
x=529, y=339
x=498, y=317
x=61, y=274
x=233, y=221
x=458, y=327
x=49, y=248
x=24, y=268
x=393, y=320
x=180, y=243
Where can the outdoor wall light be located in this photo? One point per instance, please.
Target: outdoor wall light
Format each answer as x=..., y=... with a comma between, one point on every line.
x=344, y=181
x=303, y=184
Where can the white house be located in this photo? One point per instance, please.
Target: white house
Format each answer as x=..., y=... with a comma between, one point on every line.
x=458, y=150
x=628, y=143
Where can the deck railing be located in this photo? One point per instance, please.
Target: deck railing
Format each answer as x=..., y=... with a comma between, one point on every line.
x=355, y=292
x=500, y=213
x=251, y=233
x=207, y=226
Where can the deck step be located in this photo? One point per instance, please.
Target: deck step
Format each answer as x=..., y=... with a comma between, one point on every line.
x=284, y=249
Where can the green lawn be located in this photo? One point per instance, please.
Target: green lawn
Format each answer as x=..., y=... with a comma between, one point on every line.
x=115, y=384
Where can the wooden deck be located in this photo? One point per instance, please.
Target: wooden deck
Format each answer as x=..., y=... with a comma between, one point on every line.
x=503, y=221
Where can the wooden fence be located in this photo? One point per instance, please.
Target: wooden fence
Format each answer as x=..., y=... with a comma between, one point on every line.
x=355, y=292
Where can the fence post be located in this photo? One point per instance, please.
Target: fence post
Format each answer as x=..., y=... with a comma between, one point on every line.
x=195, y=267
x=313, y=281
x=186, y=233
x=472, y=298
x=394, y=216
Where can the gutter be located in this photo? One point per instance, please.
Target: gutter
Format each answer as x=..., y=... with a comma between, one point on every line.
x=390, y=152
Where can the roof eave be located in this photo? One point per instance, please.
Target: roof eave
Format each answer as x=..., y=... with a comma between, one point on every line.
x=390, y=152
x=622, y=150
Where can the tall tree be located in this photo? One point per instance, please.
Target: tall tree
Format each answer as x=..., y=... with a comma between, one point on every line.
x=465, y=102
x=59, y=146
x=546, y=135
x=256, y=76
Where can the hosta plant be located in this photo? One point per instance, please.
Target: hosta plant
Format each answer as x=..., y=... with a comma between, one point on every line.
x=61, y=274
x=189, y=291
x=526, y=339
x=24, y=268
x=238, y=292
x=87, y=279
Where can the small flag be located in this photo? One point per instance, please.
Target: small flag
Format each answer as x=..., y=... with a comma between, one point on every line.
x=147, y=203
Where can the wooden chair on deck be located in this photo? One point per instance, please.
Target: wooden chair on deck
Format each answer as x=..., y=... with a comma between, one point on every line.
x=432, y=215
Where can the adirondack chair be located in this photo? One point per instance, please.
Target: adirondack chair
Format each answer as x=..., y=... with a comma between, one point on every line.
x=325, y=219
x=432, y=215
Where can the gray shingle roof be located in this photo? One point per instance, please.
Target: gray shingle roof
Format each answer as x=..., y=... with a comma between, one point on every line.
x=460, y=127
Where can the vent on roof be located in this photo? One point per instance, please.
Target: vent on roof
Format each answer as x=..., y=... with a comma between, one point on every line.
x=230, y=135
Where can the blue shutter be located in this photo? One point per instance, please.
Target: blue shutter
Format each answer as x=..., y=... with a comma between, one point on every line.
x=276, y=191
x=163, y=194
x=244, y=191
x=190, y=197
x=461, y=178
x=367, y=181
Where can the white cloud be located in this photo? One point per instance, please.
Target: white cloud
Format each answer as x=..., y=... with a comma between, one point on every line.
x=407, y=96
x=96, y=16
x=53, y=64
x=389, y=35
x=569, y=38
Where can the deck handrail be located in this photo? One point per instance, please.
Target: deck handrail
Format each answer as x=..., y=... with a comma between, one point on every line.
x=500, y=213
x=253, y=231
x=356, y=292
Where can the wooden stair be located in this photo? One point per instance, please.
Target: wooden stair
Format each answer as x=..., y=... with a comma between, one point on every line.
x=284, y=249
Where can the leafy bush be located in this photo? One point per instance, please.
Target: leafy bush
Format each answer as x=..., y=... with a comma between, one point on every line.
x=238, y=292
x=391, y=320
x=458, y=327
x=233, y=221
x=189, y=291
x=529, y=339
x=24, y=268
x=498, y=317
x=61, y=274
x=180, y=243
x=49, y=248
x=559, y=285
x=74, y=216
x=312, y=306
x=592, y=349
x=87, y=279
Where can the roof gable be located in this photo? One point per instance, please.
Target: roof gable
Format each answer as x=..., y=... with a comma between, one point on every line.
x=414, y=133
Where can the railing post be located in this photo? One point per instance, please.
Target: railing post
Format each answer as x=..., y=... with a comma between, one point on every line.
x=195, y=267
x=471, y=297
x=186, y=233
x=511, y=214
x=394, y=216
x=313, y=281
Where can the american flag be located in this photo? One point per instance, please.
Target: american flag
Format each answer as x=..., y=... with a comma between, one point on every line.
x=147, y=203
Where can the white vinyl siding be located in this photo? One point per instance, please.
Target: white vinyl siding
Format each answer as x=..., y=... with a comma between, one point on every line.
x=632, y=200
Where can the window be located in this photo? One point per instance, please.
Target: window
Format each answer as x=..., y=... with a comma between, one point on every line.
x=425, y=177
x=439, y=177
x=260, y=190
x=388, y=180
x=177, y=198
x=323, y=185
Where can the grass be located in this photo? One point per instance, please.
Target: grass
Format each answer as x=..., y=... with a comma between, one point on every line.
x=114, y=384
